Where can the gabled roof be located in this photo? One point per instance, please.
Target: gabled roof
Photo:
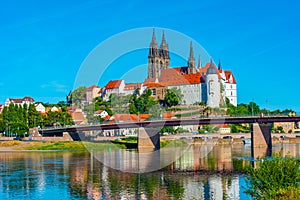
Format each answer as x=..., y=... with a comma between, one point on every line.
x=228, y=73
x=113, y=84
x=178, y=76
x=92, y=87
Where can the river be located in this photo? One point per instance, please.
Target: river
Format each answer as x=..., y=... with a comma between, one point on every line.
x=200, y=172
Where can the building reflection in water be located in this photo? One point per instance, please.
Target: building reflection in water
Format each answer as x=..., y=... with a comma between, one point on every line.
x=62, y=175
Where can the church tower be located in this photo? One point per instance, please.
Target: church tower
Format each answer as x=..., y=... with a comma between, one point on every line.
x=153, y=59
x=191, y=61
x=164, y=54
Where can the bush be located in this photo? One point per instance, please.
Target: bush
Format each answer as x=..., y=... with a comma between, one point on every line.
x=277, y=177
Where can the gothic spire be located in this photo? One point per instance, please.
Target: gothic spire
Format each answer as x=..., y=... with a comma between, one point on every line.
x=219, y=65
x=199, y=62
x=191, y=51
x=153, y=41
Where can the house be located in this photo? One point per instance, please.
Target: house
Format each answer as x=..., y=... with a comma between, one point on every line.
x=77, y=115
x=1, y=108
x=102, y=113
x=114, y=86
x=20, y=101
x=91, y=93
x=224, y=128
x=40, y=108
x=158, y=90
x=130, y=88
x=55, y=109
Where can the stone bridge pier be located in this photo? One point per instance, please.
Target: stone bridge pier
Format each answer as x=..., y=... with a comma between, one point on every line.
x=148, y=139
x=261, y=140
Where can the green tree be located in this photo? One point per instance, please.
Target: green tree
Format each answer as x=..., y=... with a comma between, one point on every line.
x=78, y=95
x=173, y=97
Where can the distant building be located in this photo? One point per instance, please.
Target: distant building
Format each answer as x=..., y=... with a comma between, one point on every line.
x=20, y=101
x=224, y=129
x=288, y=127
x=113, y=87
x=77, y=115
x=102, y=113
x=40, y=108
x=91, y=93
x=1, y=108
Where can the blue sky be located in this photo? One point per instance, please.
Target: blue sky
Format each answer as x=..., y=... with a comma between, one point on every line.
x=44, y=43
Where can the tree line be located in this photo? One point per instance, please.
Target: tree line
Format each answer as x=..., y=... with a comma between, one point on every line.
x=16, y=120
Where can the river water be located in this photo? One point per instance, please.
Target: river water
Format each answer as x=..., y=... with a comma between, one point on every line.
x=199, y=173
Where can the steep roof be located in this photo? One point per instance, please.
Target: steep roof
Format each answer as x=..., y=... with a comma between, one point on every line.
x=178, y=76
x=228, y=73
x=150, y=80
x=152, y=85
x=113, y=84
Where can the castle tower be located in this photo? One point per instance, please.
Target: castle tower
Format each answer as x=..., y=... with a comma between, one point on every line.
x=191, y=61
x=164, y=54
x=213, y=86
x=153, y=58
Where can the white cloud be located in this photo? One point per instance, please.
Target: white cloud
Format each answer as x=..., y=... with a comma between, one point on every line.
x=54, y=85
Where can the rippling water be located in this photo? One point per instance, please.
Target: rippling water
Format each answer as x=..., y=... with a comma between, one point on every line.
x=200, y=173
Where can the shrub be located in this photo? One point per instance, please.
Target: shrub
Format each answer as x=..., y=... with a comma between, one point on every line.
x=277, y=177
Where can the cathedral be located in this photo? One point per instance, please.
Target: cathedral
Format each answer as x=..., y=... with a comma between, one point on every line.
x=210, y=84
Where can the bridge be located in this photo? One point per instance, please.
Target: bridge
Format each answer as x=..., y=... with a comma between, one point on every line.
x=148, y=136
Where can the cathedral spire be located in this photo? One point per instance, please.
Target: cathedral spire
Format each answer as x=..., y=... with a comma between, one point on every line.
x=153, y=41
x=191, y=51
x=219, y=65
x=191, y=61
x=199, y=62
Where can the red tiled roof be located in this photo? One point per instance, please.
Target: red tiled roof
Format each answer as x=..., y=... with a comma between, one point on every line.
x=223, y=126
x=125, y=117
x=227, y=76
x=150, y=80
x=113, y=84
x=176, y=76
x=151, y=85
x=144, y=116
x=92, y=87
x=132, y=86
x=18, y=100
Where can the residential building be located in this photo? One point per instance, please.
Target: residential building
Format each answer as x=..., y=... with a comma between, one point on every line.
x=113, y=87
x=1, y=108
x=40, y=108
x=102, y=113
x=20, y=101
x=91, y=93
x=224, y=128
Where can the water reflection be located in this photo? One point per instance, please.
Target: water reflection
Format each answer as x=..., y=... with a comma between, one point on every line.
x=63, y=175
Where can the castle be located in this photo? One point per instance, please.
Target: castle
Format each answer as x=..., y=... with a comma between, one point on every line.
x=208, y=84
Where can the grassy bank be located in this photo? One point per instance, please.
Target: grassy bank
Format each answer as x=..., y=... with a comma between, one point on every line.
x=60, y=146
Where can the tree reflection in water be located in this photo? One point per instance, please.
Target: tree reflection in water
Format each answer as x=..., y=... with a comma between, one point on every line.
x=65, y=175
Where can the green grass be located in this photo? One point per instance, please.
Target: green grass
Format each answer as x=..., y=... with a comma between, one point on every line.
x=68, y=146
